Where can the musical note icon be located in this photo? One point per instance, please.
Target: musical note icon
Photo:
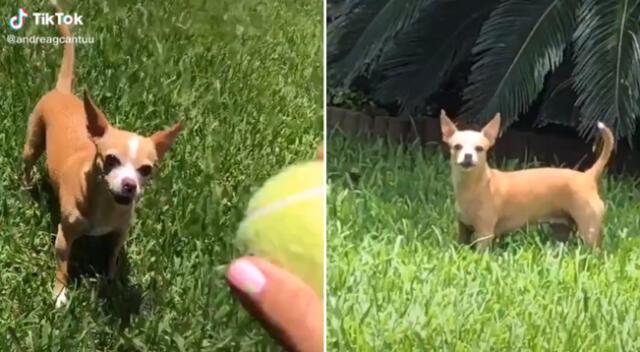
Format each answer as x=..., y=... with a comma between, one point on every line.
x=17, y=22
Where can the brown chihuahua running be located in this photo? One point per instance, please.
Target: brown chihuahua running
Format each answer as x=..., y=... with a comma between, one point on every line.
x=490, y=202
x=97, y=170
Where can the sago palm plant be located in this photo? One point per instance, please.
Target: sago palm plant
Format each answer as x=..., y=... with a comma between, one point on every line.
x=580, y=59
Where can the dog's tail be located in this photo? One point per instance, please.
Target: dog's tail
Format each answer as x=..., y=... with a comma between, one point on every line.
x=607, y=148
x=65, y=77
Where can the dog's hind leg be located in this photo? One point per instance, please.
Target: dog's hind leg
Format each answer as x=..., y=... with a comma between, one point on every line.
x=34, y=144
x=589, y=221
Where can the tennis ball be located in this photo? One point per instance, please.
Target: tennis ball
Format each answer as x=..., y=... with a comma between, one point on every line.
x=284, y=222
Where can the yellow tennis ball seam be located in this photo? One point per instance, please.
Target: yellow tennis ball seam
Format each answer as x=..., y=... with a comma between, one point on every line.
x=287, y=201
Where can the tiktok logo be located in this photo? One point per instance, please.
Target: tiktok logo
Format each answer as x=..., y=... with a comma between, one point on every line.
x=17, y=22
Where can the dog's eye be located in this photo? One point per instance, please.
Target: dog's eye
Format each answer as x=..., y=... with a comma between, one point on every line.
x=145, y=170
x=479, y=149
x=110, y=162
x=457, y=147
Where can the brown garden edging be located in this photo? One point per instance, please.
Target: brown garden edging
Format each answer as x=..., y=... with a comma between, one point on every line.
x=549, y=149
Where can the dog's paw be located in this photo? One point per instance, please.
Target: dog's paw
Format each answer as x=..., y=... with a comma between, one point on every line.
x=61, y=299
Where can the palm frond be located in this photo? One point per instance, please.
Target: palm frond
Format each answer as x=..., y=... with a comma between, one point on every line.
x=558, y=102
x=607, y=74
x=370, y=24
x=421, y=57
x=520, y=43
x=337, y=9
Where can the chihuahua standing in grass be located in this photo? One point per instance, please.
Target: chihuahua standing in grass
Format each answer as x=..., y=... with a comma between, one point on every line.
x=490, y=202
x=97, y=170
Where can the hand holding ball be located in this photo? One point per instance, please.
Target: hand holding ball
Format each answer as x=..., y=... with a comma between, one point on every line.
x=285, y=222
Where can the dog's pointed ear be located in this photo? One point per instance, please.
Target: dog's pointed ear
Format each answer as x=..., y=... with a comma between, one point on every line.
x=97, y=123
x=447, y=126
x=492, y=129
x=164, y=139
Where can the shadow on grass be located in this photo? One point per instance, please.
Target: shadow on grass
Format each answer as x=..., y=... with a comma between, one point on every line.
x=90, y=258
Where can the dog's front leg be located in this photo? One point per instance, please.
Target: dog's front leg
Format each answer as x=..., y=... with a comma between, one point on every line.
x=121, y=238
x=64, y=242
x=464, y=233
x=484, y=234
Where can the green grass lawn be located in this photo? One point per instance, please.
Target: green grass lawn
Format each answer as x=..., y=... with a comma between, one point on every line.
x=246, y=77
x=398, y=281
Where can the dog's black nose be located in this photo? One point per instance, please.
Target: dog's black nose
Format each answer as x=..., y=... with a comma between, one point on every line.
x=468, y=158
x=129, y=186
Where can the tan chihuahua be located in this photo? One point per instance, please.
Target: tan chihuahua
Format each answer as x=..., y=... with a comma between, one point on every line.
x=97, y=170
x=490, y=202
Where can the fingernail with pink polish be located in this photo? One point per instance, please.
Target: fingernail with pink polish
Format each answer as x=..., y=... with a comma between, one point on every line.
x=246, y=277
